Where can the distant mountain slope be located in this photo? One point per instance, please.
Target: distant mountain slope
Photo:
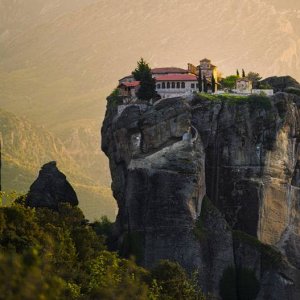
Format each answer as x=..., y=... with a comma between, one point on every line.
x=60, y=58
x=26, y=147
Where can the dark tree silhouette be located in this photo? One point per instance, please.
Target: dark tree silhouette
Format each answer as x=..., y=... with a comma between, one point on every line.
x=143, y=74
x=213, y=83
x=200, y=80
x=243, y=73
x=204, y=84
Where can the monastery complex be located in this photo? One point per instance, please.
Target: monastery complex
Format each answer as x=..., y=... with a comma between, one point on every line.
x=177, y=82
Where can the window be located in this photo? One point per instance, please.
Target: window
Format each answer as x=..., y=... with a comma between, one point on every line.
x=192, y=85
x=163, y=85
x=173, y=85
x=197, y=85
x=182, y=85
x=168, y=85
x=178, y=85
x=158, y=86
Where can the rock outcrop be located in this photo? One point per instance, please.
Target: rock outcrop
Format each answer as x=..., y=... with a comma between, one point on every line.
x=281, y=83
x=51, y=188
x=243, y=154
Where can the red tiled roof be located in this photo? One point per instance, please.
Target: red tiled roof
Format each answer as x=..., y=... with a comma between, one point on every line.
x=125, y=77
x=130, y=84
x=168, y=70
x=176, y=77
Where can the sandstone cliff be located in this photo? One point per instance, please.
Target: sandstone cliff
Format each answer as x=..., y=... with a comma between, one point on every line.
x=243, y=154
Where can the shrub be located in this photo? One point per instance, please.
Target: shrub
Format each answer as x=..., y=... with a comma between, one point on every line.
x=114, y=99
x=174, y=282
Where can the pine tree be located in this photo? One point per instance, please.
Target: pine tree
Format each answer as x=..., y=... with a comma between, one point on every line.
x=200, y=80
x=244, y=74
x=237, y=73
x=213, y=83
x=204, y=84
x=147, y=89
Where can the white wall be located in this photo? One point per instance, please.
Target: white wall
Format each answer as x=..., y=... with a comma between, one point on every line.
x=177, y=92
x=260, y=91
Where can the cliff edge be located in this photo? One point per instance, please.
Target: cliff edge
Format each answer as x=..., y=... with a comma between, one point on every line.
x=212, y=183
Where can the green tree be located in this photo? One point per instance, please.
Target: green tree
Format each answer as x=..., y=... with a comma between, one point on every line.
x=174, y=282
x=25, y=277
x=255, y=78
x=110, y=277
x=237, y=73
x=229, y=82
x=147, y=89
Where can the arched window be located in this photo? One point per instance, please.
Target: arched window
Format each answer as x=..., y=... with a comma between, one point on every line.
x=163, y=85
x=178, y=85
x=158, y=86
x=168, y=85
x=173, y=85
x=183, y=85
x=192, y=85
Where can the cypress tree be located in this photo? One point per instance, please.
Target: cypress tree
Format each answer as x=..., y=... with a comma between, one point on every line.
x=200, y=80
x=237, y=73
x=204, y=84
x=213, y=83
x=244, y=74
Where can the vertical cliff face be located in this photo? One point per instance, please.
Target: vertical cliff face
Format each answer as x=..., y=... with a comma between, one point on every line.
x=242, y=154
x=252, y=168
x=159, y=180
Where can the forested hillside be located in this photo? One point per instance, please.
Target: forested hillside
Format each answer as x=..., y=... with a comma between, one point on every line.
x=26, y=147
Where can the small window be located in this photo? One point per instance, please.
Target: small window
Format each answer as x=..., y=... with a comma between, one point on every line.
x=173, y=85
x=197, y=85
x=178, y=85
x=168, y=85
x=192, y=85
x=163, y=86
x=182, y=85
x=158, y=86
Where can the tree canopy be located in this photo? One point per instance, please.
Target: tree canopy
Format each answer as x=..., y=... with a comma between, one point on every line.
x=255, y=78
x=229, y=81
x=59, y=255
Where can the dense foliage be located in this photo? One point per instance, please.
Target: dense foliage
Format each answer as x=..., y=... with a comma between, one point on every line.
x=49, y=254
x=255, y=102
x=229, y=81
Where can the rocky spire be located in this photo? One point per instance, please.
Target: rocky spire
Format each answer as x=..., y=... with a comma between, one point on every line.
x=51, y=188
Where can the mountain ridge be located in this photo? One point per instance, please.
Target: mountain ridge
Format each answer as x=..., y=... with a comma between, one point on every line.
x=26, y=147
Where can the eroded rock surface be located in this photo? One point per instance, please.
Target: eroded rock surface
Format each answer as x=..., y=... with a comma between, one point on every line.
x=50, y=188
x=243, y=154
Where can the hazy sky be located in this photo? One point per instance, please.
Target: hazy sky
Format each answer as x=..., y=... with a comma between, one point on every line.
x=61, y=58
